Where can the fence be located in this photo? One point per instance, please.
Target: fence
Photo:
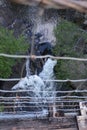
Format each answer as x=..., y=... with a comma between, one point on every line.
x=62, y=104
x=19, y=102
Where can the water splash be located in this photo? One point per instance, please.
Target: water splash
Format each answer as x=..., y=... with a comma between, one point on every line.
x=47, y=72
x=32, y=83
x=41, y=90
x=36, y=85
x=28, y=68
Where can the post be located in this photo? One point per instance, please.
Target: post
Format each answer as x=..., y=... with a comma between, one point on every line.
x=83, y=108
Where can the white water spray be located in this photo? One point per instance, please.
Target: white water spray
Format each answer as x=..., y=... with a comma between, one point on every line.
x=41, y=90
x=27, y=67
x=36, y=85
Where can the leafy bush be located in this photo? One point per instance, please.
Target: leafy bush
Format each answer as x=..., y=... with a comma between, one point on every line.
x=70, y=41
x=10, y=45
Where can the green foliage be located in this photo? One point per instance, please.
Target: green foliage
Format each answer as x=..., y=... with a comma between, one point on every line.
x=68, y=36
x=1, y=108
x=10, y=45
x=67, y=69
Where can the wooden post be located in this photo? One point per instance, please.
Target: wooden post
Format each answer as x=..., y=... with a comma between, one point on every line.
x=83, y=108
x=54, y=110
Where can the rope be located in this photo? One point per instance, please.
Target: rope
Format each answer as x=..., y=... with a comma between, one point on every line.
x=40, y=57
x=37, y=112
x=51, y=102
x=67, y=80
x=18, y=91
x=46, y=106
x=42, y=98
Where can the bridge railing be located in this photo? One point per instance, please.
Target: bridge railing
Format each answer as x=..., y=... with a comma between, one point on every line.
x=56, y=106
x=64, y=101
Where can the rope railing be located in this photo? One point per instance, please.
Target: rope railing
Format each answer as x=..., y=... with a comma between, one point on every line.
x=40, y=102
x=19, y=91
x=38, y=112
x=66, y=80
x=41, y=106
x=66, y=100
x=57, y=99
x=51, y=102
x=40, y=57
x=67, y=106
x=64, y=103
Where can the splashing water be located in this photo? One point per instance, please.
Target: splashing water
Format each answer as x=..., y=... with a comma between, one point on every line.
x=27, y=68
x=47, y=72
x=38, y=89
x=32, y=83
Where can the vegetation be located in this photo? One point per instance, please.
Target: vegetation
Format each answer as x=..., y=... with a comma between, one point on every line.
x=1, y=108
x=10, y=45
x=71, y=41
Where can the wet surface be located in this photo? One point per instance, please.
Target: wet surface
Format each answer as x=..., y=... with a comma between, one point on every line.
x=16, y=128
x=82, y=122
x=39, y=124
